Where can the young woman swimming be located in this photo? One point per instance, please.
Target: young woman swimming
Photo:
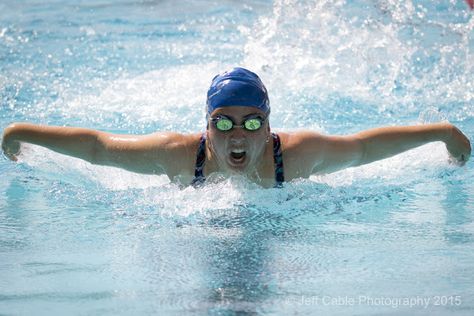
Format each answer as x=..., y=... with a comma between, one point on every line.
x=238, y=140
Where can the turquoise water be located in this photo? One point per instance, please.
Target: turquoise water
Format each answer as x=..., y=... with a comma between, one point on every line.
x=394, y=237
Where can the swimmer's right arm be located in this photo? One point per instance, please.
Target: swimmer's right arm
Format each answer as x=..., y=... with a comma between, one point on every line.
x=71, y=141
x=147, y=154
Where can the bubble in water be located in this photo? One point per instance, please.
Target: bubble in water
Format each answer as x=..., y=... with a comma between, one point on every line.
x=431, y=115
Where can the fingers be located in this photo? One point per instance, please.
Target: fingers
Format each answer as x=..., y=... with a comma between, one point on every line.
x=10, y=156
x=454, y=161
x=459, y=147
x=458, y=160
x=7, y=153
x=11, y=149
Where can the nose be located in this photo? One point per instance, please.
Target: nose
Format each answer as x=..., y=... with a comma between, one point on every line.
x=237, y=134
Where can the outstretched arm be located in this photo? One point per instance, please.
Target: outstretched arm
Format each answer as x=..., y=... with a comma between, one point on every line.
x=385, y=142
x=338, y=152
x=76, y=142
x=149, y=154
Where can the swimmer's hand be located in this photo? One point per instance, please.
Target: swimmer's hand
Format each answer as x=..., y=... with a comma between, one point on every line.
x=10, y=147
x=458, y=146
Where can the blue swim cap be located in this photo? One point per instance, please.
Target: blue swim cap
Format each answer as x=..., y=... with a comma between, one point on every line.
x=238, y=86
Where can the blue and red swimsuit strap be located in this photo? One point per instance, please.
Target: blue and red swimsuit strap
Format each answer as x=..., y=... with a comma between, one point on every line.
x=200, y=160
x=278, y=161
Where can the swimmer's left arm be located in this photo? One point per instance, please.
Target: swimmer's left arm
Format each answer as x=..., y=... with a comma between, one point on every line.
x=380, y=143
x=339, y=152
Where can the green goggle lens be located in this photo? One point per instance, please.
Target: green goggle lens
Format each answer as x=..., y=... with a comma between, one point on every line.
x=223, y=123
x=252, y=124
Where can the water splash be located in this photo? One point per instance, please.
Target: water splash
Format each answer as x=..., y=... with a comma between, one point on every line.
x=387, y=54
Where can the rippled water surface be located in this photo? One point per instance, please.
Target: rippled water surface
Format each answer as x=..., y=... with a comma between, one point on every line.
x=394, y=237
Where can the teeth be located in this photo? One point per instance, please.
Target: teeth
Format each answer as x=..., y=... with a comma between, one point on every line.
x=238, y=151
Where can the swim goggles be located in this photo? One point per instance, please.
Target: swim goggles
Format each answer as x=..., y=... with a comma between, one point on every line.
x=224, y=123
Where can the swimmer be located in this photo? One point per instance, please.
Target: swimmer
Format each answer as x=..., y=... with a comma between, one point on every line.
x=237, y=140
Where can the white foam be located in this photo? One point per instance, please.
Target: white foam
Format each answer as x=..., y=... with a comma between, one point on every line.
x=379, y=53
x=174, y=96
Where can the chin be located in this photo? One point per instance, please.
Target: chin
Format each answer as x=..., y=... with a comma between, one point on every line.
x=238, y=167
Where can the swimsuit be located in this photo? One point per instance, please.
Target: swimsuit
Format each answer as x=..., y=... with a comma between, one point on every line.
x=201, y=158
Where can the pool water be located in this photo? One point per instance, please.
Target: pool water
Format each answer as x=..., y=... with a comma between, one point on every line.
x=394, y=237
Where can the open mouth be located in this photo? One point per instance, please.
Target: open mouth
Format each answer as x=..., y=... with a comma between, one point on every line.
x=237, y=155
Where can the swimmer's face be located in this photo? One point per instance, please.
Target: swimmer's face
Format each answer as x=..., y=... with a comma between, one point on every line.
x=238, y=149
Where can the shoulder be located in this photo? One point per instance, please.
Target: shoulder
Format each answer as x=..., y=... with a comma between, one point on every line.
x=178, y=151
x=173, y=138
x=167, y=142
x=301, y=150
x=300, y=140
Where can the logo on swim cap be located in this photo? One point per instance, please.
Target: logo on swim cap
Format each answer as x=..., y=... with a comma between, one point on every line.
x=238, y=86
